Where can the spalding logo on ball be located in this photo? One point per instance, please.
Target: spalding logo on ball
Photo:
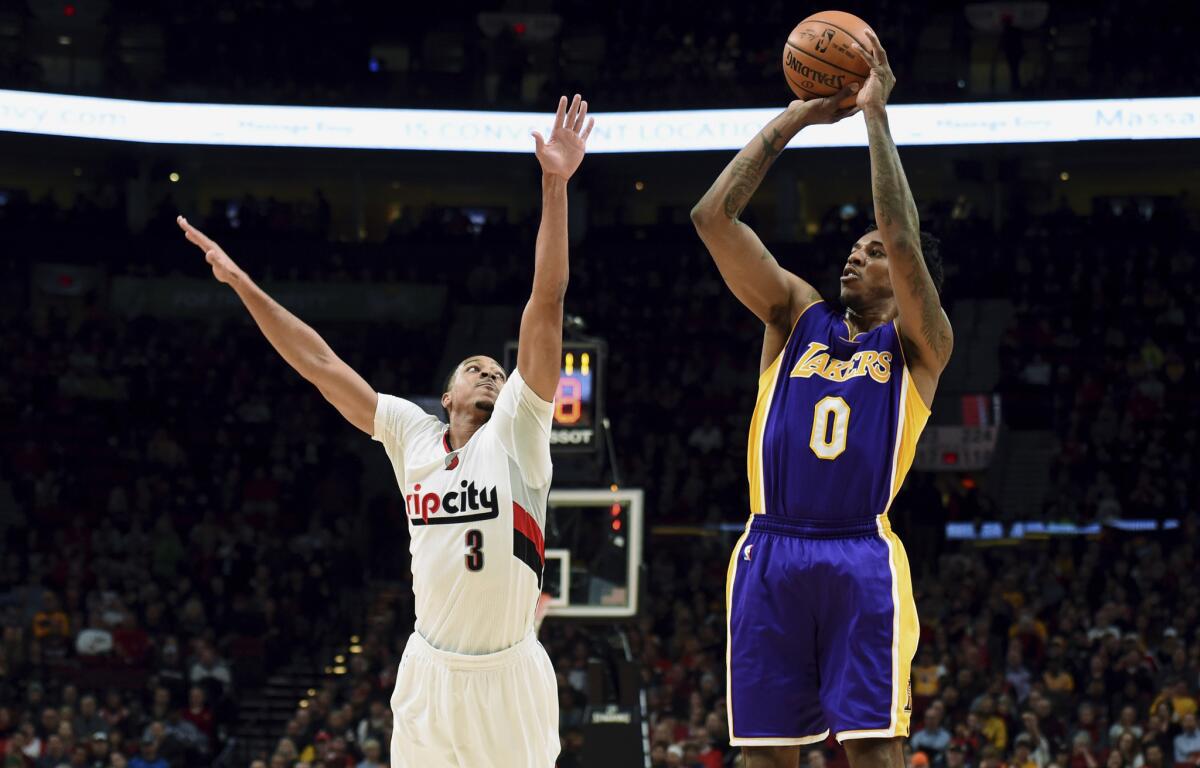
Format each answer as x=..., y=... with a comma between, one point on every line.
x=818, y=60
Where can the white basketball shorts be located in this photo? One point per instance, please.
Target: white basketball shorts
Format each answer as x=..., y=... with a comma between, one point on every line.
x=497, y=710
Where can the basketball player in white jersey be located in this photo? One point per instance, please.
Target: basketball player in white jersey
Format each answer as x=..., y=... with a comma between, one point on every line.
x=475, y=689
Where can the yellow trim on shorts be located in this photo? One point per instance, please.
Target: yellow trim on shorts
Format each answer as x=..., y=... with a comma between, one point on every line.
x=729, y=574
x=906, y=632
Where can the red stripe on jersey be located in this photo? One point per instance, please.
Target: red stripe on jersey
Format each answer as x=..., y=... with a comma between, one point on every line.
x=525, y=523
x=446, y=444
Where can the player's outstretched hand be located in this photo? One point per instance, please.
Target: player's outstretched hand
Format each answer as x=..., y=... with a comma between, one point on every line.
x=828, y=109
x=875, y=92
x=563, y=152
x=223, y=267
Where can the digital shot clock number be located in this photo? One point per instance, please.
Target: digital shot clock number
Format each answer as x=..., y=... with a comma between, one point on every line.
x=578, y=401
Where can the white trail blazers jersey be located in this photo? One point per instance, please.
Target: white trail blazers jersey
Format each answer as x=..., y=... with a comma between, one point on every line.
x=476, y=517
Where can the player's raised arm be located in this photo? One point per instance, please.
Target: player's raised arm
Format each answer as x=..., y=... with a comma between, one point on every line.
x=751, y=272
x=923, y=325
x=539, y=348
x=297, y=343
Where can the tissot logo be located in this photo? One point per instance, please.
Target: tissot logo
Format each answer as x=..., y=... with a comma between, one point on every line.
x=571, y=436
x=462, y=506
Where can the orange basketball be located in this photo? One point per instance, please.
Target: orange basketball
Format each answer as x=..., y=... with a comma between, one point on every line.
x=818, y=59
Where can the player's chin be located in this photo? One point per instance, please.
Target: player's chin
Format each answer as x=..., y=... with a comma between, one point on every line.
x=486, y=405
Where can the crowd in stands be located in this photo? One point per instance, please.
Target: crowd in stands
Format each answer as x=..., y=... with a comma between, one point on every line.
x=179, y=511
x=152, y=561
x=636, y=56
x=1102, y=354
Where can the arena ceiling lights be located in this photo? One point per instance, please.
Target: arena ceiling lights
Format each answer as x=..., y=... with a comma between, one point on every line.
x=676, y=131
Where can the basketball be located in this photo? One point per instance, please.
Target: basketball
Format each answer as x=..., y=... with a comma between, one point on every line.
x=818, y=60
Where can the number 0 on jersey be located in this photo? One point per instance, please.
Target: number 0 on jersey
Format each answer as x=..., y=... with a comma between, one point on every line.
x=828, y=441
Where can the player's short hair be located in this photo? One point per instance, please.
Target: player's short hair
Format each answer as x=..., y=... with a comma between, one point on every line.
x=931, y=249
x=454, y=372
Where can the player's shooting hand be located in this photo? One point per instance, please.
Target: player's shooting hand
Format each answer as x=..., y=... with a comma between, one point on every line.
x=223, y=267
x=874, y=94
x=563, y=152
x=827, y=109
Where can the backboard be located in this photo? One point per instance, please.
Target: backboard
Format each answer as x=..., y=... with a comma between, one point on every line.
x=593, y=553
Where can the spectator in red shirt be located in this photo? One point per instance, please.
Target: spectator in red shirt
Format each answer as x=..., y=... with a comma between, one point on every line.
x=198, y=712
x=1082, y=754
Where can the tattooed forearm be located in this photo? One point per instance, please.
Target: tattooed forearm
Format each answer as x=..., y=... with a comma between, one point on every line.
x=899, y=224
x=733, y=189
x=742, y=176
x=767, y=290
x=747, y=172
x=894, y=205
x=771, y=147
x=934, y=327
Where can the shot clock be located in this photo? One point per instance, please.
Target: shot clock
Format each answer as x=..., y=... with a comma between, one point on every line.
x=578, y=401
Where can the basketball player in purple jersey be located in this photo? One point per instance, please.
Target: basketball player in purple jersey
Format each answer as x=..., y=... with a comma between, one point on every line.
x=822, y=622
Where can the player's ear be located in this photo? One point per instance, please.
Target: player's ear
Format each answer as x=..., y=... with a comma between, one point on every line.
x=446, y=401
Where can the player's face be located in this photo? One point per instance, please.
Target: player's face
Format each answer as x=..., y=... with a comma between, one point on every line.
x=865, y=278
x=476, y=385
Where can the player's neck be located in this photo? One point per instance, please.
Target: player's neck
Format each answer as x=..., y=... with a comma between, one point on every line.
x=464, y=425
x=864, y=319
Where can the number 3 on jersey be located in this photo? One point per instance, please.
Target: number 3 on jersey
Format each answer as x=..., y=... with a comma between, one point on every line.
x=474, y=550
x=831, y=417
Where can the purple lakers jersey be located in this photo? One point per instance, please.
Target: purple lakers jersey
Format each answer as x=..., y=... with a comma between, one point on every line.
x=835, y=426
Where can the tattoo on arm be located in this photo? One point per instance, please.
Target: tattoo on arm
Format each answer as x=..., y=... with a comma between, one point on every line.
x=893, y=198
x=894, y=202
x=748, y=172
x=897, y=212
x=933, y=326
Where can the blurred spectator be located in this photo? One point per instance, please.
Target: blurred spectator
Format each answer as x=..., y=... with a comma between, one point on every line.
x=372, y=755
x=1039, y=745
x=88, y=720
x=1126, y=723
x=148, y=756
x=1082, y=754
x=932, y=738
x=1176, y=700
x=956, y=755
x=1187, y=743
x=99, y=750
x=54, y=752
x=375, y=725
x=199, y=714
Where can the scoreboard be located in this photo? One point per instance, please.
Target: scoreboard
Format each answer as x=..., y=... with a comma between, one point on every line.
x=578, y=399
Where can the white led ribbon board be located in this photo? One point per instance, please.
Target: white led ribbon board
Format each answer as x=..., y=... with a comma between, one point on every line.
x=669, y=131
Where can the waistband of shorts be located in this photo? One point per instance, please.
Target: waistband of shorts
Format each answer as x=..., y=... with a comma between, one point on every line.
x=451, y=660
x=820, y=529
